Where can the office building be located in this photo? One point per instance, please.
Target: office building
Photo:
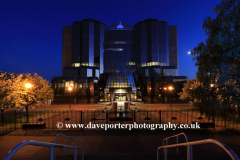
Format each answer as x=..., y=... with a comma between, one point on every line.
x=119, y=62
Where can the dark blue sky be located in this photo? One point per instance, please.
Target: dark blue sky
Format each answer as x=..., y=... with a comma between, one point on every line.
x=31, y=30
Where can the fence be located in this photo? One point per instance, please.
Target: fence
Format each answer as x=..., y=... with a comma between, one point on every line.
x=16, y=120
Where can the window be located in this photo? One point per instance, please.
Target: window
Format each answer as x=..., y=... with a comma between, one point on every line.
x=152, y=63
x=131, y=63
x=89, y=72
x=75, y=64
x=118, y=49
x=69, y=83
x=120, y=42
x=97, y=73
x=144, y=64
x=146, y=72
x=114, y=49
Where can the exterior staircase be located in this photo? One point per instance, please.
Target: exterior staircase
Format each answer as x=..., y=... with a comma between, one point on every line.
x=164, y=152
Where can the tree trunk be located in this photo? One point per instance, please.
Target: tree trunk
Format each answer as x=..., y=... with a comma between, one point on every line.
x=27, y=112
x=2, y=115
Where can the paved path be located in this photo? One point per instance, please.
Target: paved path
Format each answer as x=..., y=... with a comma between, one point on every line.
x=101, y=106
x=117, y=141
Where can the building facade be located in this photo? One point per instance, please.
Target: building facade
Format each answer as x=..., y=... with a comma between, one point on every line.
x=118, y=62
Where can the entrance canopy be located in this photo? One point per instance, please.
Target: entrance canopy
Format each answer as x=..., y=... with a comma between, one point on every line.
x=120, y=80
x=120, y=87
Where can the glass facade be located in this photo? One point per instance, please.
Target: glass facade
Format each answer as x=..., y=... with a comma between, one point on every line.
x=102, y=38
x=118, y=47
x=76, y=40
x=151, y=44
x=143, y=43
x=120, y=80
x=120, y=53
x=124, y=49
x=163, y=43
x=91, y=44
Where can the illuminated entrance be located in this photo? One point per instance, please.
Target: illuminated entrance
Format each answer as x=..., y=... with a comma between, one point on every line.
x=120, y=87
x=120, y=98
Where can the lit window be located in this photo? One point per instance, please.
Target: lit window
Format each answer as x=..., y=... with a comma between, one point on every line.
x=89, y=72
x=114, y=49
x=69, y=83
x=144, y=64
x=131, y=63
x=97, y=73
x=118, y=49
x=75, y=64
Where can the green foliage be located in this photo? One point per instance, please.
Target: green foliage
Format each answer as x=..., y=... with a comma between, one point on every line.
x=13, y=92
x=185, y=94
x=191, y=91
x=218, y=58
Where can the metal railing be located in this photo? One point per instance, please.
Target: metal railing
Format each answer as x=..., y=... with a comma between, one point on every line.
x=64, y=142
x=44, y=144
x=190, y=144
x=166, y=139
x=15, y=120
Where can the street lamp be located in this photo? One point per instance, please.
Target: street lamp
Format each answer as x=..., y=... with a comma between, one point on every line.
x=212, y=86
x=170, y=88
x=27, y=86
x=70, y=89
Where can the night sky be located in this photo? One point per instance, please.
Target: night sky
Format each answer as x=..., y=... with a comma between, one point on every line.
x=31, y=30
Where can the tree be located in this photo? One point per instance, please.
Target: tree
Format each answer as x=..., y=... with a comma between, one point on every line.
x=191, y=91
x=42, y=90
x=14, y=94
x=7, y=98
x=218, y=58
x=185, y=94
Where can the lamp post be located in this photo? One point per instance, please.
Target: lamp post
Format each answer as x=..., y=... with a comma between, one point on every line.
x=170, y=88
x=70, y=89
x=165, y=88
x=212, y=86
x=28, y=85
x=192, y=95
